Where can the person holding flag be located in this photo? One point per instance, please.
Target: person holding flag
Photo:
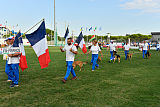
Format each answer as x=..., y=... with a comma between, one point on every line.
x=71, y=51
x=13, y=66
x=95, y=49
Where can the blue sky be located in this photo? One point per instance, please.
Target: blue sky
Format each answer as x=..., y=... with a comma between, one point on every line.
x=117, y=17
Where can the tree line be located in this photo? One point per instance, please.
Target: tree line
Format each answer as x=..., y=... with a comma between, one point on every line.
x=133, y=37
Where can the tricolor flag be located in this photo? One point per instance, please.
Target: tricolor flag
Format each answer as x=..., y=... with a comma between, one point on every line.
x=93, y=37
x=38, y=42
x=19, y=43
x=80, y=41
x=90, y=29
x=66, y=36
x=95, y=28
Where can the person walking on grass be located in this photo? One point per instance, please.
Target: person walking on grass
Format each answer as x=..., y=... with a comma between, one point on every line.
x=71, y=51
x=112, y=48
x=95, y=49
x=126, y=50
x=145, y=48
x=13, y=66
x=158, y=47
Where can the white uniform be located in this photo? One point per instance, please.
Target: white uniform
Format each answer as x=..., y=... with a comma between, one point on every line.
x=158, y=46
x=112, y=47
x=145, y=46
x=126, y=47
x=13, y=60
x=95, y=49
x=69, y=55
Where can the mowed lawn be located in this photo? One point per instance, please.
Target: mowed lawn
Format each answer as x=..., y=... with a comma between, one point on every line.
x=134, y=83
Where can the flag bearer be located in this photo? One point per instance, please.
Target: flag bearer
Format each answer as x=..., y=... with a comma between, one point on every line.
x=95, y=49
x=71, y=51
x=13, y=66
x=126, y=50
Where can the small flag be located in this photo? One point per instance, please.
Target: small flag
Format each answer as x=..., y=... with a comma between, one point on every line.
x=81, y=29
x=90, y=29
x=19, y=43
x=86, y=29
x=38, y=42
x=95, y=28
x=80, y=41
x=66, y=36
x=93, y=37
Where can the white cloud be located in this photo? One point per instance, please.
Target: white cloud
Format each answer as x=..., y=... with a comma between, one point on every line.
x=149, y=6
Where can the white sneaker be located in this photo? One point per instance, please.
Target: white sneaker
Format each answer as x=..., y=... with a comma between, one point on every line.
x=9, y=80
x=16, y=85
x=92, y=70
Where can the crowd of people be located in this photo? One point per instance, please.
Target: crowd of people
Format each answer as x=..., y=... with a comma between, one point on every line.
x=12, y=60
x=95, y=49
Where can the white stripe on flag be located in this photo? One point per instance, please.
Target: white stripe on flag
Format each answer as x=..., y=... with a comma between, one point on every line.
x=22, y=49
x=81, y=43
x=40, y=47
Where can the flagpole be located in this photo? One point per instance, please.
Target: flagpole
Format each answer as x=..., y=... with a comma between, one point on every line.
x=55, y=39
x=51, y=29
x=32, y=27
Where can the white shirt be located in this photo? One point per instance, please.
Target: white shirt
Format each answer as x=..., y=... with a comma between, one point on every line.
x=69, y=55
x=158, y=46
x=112, y=47
x=145, y=46
x=126, y=47
x=13, y=60
x=95, y=49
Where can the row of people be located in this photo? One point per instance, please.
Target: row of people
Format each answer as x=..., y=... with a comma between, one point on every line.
x=71, y=50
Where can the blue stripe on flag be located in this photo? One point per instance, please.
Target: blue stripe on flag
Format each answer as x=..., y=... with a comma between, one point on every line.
x=37, y=35
x=80, y=37
x=18, y=39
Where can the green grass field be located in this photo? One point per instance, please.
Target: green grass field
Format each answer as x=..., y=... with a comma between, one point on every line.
x=130, y=83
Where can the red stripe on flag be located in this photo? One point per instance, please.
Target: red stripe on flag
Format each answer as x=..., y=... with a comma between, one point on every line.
x=84, y=49
x=23, y=63
x=44, y=59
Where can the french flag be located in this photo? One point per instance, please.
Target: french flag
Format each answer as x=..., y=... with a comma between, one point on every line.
x=66, y=36
x=38, y=42
x=80, y=41
x=18, y=42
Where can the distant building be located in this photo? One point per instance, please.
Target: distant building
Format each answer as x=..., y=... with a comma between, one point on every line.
x=155, y=37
